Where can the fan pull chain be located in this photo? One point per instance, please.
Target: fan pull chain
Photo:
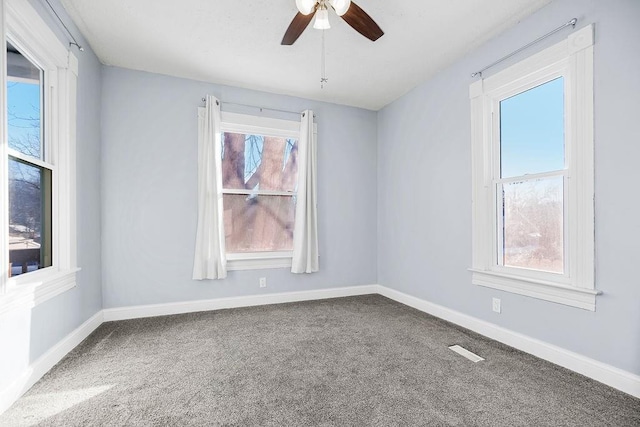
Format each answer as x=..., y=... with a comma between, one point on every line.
x=323, y=68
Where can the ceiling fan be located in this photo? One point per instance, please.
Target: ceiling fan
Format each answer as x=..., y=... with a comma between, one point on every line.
x=357, y=18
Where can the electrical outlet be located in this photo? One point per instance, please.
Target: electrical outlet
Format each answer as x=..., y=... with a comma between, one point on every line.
x=496, y=305
x=263, y=282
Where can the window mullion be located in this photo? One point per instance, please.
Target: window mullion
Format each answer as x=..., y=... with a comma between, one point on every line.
x=531, y=177
x=258, y=192
x=29, y=160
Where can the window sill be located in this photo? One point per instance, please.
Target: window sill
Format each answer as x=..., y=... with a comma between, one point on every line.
x=258, y=260
x=29, y=290
x=548, y=291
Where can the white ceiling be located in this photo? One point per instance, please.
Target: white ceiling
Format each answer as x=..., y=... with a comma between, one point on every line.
x=237, y=42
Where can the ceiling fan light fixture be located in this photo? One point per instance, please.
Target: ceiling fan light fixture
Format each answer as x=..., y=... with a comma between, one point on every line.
x=322, y=20
x=340, y=6
x=306, y=6
x=353, y=15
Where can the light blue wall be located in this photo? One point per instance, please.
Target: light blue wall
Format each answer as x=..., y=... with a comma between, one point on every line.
x=26, y=335
x=54, y=319
x=149, y=189
x=424, y=190
x=396, y=212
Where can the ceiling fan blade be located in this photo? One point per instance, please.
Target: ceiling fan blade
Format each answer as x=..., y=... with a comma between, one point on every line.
x=362, y=23
x=297, y=26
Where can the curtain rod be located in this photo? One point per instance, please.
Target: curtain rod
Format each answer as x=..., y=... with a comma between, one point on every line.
x=74, y=42
x=573, y=23
x=260, y=108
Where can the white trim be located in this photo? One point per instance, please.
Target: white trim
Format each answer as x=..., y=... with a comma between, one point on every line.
x=572, y=58
x=73, y=64
x=243, y=123
x=602, y=372
x=22, y=20
x=258, y=264
x=37, y=369
x=259, y=260
x=541, y=289
x=606, y=374
x=260, y=121
x=135, y=312
x=250, y=192
x=259, y=255
x=55, y=285
x=32, y=36
x=27, y=291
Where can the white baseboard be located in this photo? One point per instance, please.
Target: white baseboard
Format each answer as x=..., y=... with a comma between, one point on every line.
x=607, y=374
x=134, y=312
x=37, y=369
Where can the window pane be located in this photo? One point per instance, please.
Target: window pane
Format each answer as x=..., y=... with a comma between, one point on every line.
x=24, y=101
x=29, y=217
x=258, y=223
x=533, y=224
x=532, y=130
x=259, y=162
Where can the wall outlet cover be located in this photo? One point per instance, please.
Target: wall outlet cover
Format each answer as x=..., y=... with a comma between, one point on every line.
x=497, y=306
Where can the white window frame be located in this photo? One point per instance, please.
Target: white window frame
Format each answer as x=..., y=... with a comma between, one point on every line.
x=28, y=32
x=572, y=59
x=246, y=124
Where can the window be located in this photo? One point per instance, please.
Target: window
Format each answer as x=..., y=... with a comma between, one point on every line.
x=30, y=175
x=259, y=183
x=532, y=145
x=38, y=171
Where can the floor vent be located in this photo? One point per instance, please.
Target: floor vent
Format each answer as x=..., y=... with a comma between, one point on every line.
x=466, y=353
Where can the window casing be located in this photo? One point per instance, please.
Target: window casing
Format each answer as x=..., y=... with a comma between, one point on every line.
x=508, y=249
x=28, y=34
x=251, y=199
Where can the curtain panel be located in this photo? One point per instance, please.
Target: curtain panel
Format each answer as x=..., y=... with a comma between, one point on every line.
x=305, y=233
x=210, y=260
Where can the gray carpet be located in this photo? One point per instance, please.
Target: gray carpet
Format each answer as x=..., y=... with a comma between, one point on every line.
x=348, y=361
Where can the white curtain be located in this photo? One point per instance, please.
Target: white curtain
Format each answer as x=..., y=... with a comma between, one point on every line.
x=210, y=260
x=305, y=234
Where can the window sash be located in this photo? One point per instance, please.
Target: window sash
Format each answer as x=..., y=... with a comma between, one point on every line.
x=498, y=249
x=49, y=92
x=560, y=69
x=287, y=198
x=46, y=223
